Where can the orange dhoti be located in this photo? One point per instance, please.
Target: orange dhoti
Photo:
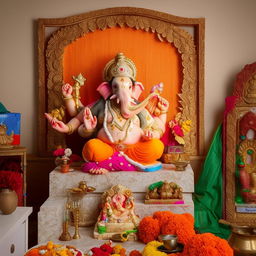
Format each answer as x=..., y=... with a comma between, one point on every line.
x=143, y=152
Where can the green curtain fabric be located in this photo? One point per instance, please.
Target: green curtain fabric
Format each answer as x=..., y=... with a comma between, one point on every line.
x=208, y=191
x=3, y=110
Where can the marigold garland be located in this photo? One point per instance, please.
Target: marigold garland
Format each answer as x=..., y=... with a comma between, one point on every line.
x=148, y=229
x=180, y=225
x=183, y=226
x=207, y=244
x=163, y=217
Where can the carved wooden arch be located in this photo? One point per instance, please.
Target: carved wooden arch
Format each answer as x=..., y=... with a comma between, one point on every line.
x=166, y=26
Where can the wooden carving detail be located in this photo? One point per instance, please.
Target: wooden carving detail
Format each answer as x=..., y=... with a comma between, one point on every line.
x=250, y=90
x=150, y=21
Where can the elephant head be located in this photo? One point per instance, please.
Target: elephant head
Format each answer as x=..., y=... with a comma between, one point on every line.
x=126, y=93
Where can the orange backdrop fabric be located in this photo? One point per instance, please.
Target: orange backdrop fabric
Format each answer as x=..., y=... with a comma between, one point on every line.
x=156, y=62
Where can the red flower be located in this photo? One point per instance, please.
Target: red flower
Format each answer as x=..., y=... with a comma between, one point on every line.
x=11, y=180
x=106, y=248
x=59, y=152
x=177, y=130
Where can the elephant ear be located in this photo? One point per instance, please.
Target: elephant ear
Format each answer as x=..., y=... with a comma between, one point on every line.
x=105, y=90
x=137, y=90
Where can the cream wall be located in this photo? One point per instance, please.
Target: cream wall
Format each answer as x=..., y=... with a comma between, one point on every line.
x=229, y=45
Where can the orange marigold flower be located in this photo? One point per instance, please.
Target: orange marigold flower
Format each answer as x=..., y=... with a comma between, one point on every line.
x=148, y=229
x=163, y=217
x=122, y=252
x=135, y=253
x=180, y=225
x=207, y=244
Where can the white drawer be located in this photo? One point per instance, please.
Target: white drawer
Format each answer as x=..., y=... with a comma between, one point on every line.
x=14, y=244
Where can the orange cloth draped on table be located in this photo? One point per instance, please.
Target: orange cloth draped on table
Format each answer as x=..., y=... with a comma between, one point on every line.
x=143, y=152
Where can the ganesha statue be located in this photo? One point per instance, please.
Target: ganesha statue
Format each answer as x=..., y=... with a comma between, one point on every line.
x=122, y=133
x=117, y=214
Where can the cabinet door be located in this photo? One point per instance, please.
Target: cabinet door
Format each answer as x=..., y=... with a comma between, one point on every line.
x=15, y=244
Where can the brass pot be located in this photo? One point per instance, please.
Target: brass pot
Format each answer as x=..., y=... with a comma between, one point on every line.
x=242, y=239
x=8, y=200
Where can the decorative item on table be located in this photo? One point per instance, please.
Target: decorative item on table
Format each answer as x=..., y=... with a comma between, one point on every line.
x=170, y=244
x=117, y=214
x=51, y=249
x=123, y=237
x=242, y=238
x=75, y=196
x=63, y=158
x=11, y=129
x=10, y=185
x=163, y=192
x=174, y=152
x=65, y=235
x=5, y=140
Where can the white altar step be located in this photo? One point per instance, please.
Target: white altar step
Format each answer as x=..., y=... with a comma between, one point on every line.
x=135, y=181
x=50, y=215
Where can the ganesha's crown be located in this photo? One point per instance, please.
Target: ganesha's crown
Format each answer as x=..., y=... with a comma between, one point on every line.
x=119, y=66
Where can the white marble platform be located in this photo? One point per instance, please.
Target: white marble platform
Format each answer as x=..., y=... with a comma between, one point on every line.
x=50, y=215
x=136, y=181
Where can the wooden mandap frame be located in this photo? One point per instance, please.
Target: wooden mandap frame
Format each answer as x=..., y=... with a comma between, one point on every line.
x=238, y=106
x=186, y=35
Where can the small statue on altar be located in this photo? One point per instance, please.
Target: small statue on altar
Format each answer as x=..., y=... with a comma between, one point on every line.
x=124, y=134
x=164, y=192
x=117, y=214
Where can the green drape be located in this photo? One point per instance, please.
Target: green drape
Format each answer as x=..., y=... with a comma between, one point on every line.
x=208, y=191
x=3, y=110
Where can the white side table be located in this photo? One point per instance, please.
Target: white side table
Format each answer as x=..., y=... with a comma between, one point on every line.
x=14, y=232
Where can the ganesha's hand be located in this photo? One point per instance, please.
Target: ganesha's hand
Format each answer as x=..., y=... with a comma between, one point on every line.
x=162, y=105
x=90, y=121
x=67, y=90
x=57, y=124
x=147, y=135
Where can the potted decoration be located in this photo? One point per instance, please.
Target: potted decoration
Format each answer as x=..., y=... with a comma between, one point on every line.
x=63, y=158
x=175, y=153
x=10, y=182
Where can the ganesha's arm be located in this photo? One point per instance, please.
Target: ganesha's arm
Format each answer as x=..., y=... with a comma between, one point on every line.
x=73, y=124
x=152, y=126
x=90, y=124
x=158, y=128
x=69, y=100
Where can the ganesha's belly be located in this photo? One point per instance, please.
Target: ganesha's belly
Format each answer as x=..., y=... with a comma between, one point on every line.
x=130, y=136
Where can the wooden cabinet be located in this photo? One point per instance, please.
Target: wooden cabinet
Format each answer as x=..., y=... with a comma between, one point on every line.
x=22, y=152
x=14, y=232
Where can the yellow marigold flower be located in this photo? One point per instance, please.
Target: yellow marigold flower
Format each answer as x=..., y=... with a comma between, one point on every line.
x=186, y=125
x=179, y=139
x=49, y=245
x=151, y=249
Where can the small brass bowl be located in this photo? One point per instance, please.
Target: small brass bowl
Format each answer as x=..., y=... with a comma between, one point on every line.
x=170, y=241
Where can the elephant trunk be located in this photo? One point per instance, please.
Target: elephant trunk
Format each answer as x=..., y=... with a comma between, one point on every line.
x=129, y=110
